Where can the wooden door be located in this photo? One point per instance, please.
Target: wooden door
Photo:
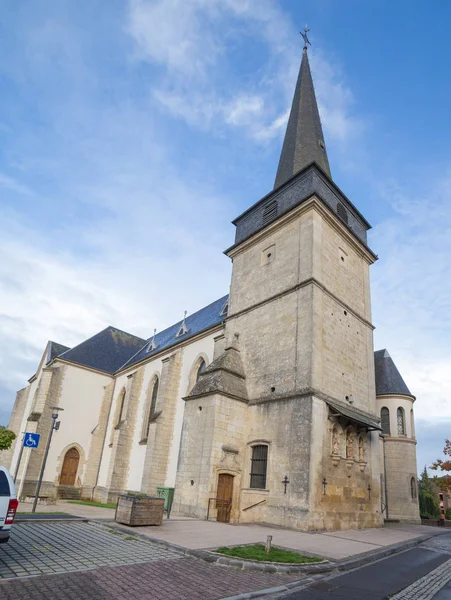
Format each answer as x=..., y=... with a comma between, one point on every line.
x=224, y=497
x=70, y=467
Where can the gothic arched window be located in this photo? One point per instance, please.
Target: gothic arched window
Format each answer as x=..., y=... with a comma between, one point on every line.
x=385, y=420
x=201, y=368
x=121, y=406
x=401, y=421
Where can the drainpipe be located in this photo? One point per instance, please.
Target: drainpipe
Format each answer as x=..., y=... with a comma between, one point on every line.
x=385, y=481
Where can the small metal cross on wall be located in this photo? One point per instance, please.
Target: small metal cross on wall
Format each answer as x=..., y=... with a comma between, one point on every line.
x=285, y=483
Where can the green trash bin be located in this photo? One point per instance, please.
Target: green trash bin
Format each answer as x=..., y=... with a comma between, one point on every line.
x=168, y=494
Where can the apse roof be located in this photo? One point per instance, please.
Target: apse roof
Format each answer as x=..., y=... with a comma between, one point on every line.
x=388, y=378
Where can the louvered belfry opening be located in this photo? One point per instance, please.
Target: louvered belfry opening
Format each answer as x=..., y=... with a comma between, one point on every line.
x=270, y=212
x=342, y=212
x=258, y=467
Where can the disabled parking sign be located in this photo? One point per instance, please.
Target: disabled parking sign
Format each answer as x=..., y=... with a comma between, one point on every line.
x=31, y=440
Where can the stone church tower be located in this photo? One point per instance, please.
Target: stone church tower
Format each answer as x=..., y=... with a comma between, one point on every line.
x=263, y=406
x=282, y=426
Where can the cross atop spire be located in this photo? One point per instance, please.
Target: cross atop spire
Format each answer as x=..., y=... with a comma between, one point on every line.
x=304, y=140
x=304, y=35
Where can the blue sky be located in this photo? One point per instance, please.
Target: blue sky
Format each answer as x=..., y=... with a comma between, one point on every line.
x=133, y=132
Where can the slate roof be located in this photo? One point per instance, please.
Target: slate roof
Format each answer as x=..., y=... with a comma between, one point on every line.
x=203, y=319
x=388, y=378
x=55, y=349
x=106, y=351
x=304, y=139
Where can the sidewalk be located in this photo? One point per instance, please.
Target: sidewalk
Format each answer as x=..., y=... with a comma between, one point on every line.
x=198, y=534
x=336, y=545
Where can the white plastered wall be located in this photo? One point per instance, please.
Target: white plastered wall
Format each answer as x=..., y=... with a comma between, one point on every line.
x=81, y=398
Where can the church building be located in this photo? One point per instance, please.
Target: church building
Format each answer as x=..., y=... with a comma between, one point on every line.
x=269, y=405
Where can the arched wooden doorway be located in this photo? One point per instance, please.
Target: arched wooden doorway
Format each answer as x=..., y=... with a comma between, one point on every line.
x=224, y=497
x=70, y=467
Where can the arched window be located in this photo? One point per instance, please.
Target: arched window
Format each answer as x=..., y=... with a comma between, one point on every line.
x=401, y=421
x=153, y=402
x=413, y=488
x=412, y=424
x=121, y=404
x=201, y=368
x=385, y=420
x=259, y=463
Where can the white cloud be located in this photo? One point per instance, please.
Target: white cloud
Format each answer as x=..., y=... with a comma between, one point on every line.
x=12, y=184
x=412, y=293
x=188, y=39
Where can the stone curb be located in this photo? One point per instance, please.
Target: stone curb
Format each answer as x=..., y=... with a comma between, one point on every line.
x=310, y=569
x=24, y=520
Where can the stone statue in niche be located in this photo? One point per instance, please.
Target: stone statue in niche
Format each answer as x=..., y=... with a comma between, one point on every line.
x=335, y=442
x=361, y=449
x=350, y=445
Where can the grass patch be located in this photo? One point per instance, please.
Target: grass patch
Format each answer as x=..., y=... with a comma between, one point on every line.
x=257, y=552
x=92, y=503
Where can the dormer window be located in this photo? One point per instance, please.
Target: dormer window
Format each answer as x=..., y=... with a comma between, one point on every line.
x=224, y=309
x=183, y=327
x=152, y=345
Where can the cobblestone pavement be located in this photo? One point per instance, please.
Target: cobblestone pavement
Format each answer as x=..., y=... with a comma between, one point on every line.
x=182, y=579
x=44, y=548
x=427, y=587
x=66, y=561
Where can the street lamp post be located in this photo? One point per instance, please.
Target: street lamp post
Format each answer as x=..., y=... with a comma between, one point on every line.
x=16, y=472
x=56, y=426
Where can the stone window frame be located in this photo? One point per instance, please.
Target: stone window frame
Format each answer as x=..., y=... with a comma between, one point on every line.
x=253, y=446
x=150, y=413
x=413, y=489
x=194, y=371
x=120, y=406
x=412, y=424
x=387, y=421
x=401, y=421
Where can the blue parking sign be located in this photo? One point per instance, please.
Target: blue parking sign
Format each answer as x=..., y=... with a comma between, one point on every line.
x=31, y=440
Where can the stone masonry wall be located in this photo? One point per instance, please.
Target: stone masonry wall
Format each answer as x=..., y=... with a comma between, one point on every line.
x=400, y=457
x=123, y=438
x=97, y=442
x=49, y=395
x=161, y=430
x=213, y=442
x=14, y=425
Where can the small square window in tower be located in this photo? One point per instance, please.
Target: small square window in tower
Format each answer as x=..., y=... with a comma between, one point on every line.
x=268, y=255
x=269, y=212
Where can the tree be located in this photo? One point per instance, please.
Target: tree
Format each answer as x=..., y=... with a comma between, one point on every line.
x=444, y=482
x=6, y=438
x=429, y=506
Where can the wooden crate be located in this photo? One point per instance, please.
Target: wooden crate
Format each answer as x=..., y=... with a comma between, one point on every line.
x=133, y=510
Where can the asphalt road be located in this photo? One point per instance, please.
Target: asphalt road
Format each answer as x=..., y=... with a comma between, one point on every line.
x=379, y=580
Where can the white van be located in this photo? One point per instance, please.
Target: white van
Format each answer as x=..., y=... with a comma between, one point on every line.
x=8, y=504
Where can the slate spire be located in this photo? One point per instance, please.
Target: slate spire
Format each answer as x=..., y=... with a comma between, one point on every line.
x=304, y=140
